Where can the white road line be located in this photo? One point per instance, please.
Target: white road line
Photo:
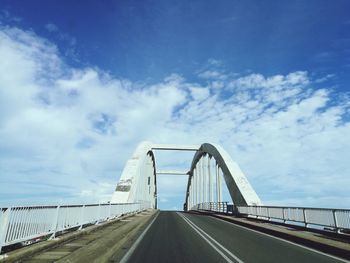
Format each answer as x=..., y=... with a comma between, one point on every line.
x=134, y=246
x=213, y=243
x=216, y=242
x=284, y=240
x=210, y=243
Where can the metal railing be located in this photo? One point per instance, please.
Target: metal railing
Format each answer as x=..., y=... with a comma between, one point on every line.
x=221, y=207
x=337, y=219
x=26, y=223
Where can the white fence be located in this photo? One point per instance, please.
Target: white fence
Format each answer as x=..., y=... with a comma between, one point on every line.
x=25, y=223
x=333, y=218
x=221, y=207
x=338, y=219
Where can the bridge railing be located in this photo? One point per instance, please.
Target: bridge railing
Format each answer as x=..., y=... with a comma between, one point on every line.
x=27, y=223
x=221, y=207
x=337, y=219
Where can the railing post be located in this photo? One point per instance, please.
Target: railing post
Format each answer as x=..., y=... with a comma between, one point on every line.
x=55, y=223
x=335, y=221
x=98, y=214
x=4, y=223
x=110, y=212
x=82, y=215
x=305, y=220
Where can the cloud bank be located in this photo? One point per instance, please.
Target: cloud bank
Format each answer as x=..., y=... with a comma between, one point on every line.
x=66, y=132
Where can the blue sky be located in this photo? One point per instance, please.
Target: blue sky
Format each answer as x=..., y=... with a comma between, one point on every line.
x=264, y=78
x=149, y=40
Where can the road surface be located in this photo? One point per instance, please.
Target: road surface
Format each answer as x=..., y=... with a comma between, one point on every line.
x=184, y=237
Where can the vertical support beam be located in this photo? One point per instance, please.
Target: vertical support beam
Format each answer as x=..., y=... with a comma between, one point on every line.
x=203, y=179
x=210, y=181
x=205, y=166
x=200, y=186
x=217, y=182
x=204, y=193
x=189, y=203
x=192, y=190
x=219, y=185
x=196, y=186
x=208, y=178
x=204, y=190
x=200, y=179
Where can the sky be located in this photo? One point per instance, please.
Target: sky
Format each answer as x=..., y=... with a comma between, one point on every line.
x=82, y=83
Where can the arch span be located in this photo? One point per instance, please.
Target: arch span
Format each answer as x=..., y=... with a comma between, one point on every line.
x=208, y=162
x=138, y=182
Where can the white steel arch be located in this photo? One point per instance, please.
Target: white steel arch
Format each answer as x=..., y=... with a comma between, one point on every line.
x=210, y=163
x=138, y=182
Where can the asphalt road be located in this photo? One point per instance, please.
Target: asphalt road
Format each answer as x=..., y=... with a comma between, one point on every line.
x=183, y=237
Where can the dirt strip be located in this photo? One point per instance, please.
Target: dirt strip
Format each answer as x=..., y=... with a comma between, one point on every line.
x=106, y=242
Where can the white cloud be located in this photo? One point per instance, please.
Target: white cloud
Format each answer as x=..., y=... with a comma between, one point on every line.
x=199, y=93
x=51, y=27
x=67, y=132
x=212, y=74
x=298, y=78
x=325, y=78
x=7, y=17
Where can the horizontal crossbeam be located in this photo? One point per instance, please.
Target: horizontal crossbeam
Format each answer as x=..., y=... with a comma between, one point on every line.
x=173, y=172
x=176, y=147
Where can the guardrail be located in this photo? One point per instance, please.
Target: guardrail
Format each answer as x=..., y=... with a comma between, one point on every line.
x=26, y=223
x=337, y=219
x=221, y=207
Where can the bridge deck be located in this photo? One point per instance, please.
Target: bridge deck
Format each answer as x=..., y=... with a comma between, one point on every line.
x=175, y=237
x=183, y=237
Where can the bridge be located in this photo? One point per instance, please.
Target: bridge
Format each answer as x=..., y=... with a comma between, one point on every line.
x=130, y=228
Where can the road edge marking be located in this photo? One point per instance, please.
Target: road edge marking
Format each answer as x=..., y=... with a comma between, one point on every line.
x=284, y=240
x=189, y=222
x=136, y=243
x=216, y=242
